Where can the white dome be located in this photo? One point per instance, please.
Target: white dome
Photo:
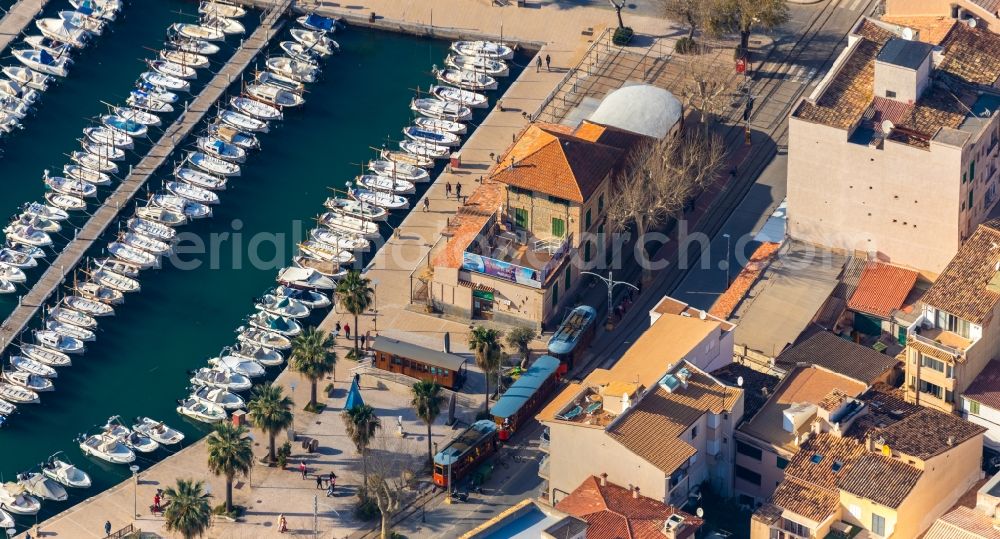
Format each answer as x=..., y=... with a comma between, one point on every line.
x=640, y=108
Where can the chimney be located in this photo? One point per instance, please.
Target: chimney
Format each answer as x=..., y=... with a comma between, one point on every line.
x=951, y=441
x=604, y=479
x=635, y=493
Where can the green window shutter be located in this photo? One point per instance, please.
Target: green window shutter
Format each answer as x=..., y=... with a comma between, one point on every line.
x=587, y=220
x=600, y=205
x=970, y=199
x=555, y=293
x=972, y=170
x=974, y=407
x=521, y=217
x=558, y=227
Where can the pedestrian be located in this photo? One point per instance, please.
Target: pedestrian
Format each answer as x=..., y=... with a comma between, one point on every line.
x=538, y=64
x=319, y=482
x=302, y=468
x=427, y=204
x=548, y=63
x=347, y=331
x=362, y=338
x=156, y=502
x=107, y=528
x=447, y=189
x=329, y=491
x=458, y=189
x=336, y=330
x=282, y=524
x=333, y=479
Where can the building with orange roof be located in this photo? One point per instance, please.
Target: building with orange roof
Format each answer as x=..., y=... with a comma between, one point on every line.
x=881, y=291
x=984, y=13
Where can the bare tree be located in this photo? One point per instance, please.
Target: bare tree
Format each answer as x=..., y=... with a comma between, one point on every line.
x=389, y=477
x=706, y=89
x=691, y=12
x=745, y=16
x=618, y=11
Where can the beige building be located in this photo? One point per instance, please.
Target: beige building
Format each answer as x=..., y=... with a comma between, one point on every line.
x=985, y=13
x=975, y=516
x=895, y=153
x=889, y=472
x=958, y=330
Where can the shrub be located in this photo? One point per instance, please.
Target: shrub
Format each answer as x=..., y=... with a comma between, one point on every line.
x=366, y=509
x=686, y=45
x=283, y=453
x=622, y=36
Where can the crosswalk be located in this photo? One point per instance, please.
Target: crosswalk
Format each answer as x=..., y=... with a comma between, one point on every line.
x=800, y=74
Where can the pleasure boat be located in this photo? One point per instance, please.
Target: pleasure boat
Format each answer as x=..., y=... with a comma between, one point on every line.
x=83, y=21
x=318, y=23
x=189, y=208
x=227, y=25
x=406, y=159
x=142, y=100
x=84, y=174
x=311, y=298
x=279, y=81
x=27, y=235
x=485, y=49
x=200, y=179
x=103, y=152
x=431, y=136
x=198, y=32
x=357, y=208
x=89, y=306
x=446, y=126
x=12, y=274
x=107, y=448
x=115, y=281
x=243, y=122
x=221, y=9
x=349, y=225
x=70, y=316
x=292, y=68
x=152, y=92
x=326, y=253
x=467, y=80
x=14, y=499
x=30, y=250
x=191, y=192
x=6, y=409
x=221, y=149
x=119, y=266
x=108, y=135
x=233, y=136
x=60, y=469
x=441, y=109
x=105, y=9
x=299, y=51
x=66, y=202
x=478, y=64
x=20, y=92
x=133, y=255
x=31, y=382
x=129, y=127
x=342, y=242
x=38, y=223
x=305, y=278
x=184, y=58
x=17, y=394
x=197, y=46
x=380, y=199
x=46, y=356
x=424, y=149
x=168, y=82
x=250, y=369
x=10, y=257
x=265, y=356
x=6, y=521
x=213, y=165
x=42, y=487
x=219, y=397
x=278, y=324
x=32, y=367
x=100, y=293
x=162, y=216
x=152, y=228
x=136, y=441
x=93, y=162
x=138, y=116
x=266, y=339
x=43, y=62
x=81, y=334
x=158, y=431
x=385, y=184
x=59, y=30
x=27, y=77
x=325, y=268
x=315, y=41
x=13, y=107
x=60, y=343
x=221, y=378
x=201, y=411
x=275, y=96
x=462, y=97
x=170, y=69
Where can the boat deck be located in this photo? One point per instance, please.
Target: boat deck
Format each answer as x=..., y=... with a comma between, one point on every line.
x=107, y=214
x=17, y=19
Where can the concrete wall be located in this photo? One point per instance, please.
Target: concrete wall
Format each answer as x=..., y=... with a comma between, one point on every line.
x=907, y=84
x=938, y=8
x=771, y=475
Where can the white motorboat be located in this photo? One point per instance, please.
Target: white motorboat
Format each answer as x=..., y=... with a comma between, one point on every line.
x=104, y=152
x=198, y=32
x=105, y=9
x=29, y=381
x=13, y=107
x=299, y=51
x=60, y=469
x=170, y=69
x=423, y=149
x=83, y=21
x=219, y=397
x=221, y=149
x=265, y=356
x=266, y=339
x=315, y=41
x=221, y=378
x=339, y=241
x=84, y=174
x=311, y=298
x=485, y=49
x=349, y=225
x=158, y=431
x=93, y=162
x=435, y=124
x=431, y=136
x=35, y=368
x=278, y=324
x=108, y=135
x=200, y=179
x=184, y=58
x=43, y=62
x=10, y=257
x=467, y=80
x=27, y=235
x=274, y=96
x=8, y=123
x=255, y=109
x=357, y=208
x=6, y=409
x=129, y=127
x=86, y=305
x=133, y=255
x=147, y=243
x=18, y=91
x=213, y=165
x=292, y=68
x=17, y=394
x=42, y=487
x=46, y=356
x=458, y=95
x=385, y=184
x=72, y=187
x=100, y=293
x=227, y=25
x=441, y=109
x=279, y=81
x=201, y=411
x=70, y=316
x=318, y=23
x=81, y=334
x=168, y=82
x=233, y=136
x=197, y=46
x=221, y=9
x=12, y=274
x=27, y=77
x=15, y=499
x=6, y=521
x=119, y=266
x=30, y=250
x=134, y=440
x=152, y=229
x=326, y=253
x=243, y=122
x=162, y=216
x=142, y=100
x=115, y=281
x=45, y=211
x=305, y=278
x=152, y=92
x=479, y=64
x=189, y=208
x=107, y=448
x=63, y=32
x=406, y=159
x=326, y=268
x=60, y=343
x=191, y=192
x=250, y=369
x=138, y=115
x=38, y=223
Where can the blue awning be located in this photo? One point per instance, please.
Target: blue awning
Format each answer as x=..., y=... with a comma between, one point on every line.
x=318, y=21
x=525, y=387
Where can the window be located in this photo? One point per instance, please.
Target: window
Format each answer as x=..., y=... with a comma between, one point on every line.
x=972, y=170
x=931, y=389
x=600, y=204
x=558, y=227
x=555, y=293
x=974, y=407
x=748, y=450
x=586, y=251
x=521, y=217
x=694, y=432
x=782, y=463
x=878, y=524
x=748, y=475
x=890, y=94
x=557, y=200
x=950, y=322
x=970, y=198
x=795, y=527
x=586, y=220
x=937, y=365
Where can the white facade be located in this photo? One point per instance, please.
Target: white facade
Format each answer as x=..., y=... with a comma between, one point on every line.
x=986, y=417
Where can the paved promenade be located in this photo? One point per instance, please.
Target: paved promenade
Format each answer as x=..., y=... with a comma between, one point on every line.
x=17, y=19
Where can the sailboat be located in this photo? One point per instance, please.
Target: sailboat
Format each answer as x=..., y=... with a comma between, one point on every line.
x=243, y=122
x=115, y=281
x=137, y=115
x=100, y=293
x=196, y=31
x=70, y=316
x=149, y=91
x=81, y=334
x=227, y=25
x=435, y=124
x=431, y=136
x=200, y=179
x=255, y=109
x=133, y=255
x=86, y=305
x=151, y=228
x=467, y=80
x=340, y=242
x=279, y=81
x=31, y=382
x=30, y=366
x=72, y=187
x=347, y=224
x=162, y=216
x=191, y=192
x=93, y=162
x=221, y=149
x=129, y=127
x=299, y=51
x=103, y=151
x=275, y=96
x=221, y=9
x=170, y=69
x=17, y=394
x=489, y=66
x=201, y=411
x=146, y=243
x=47, y=356
x=385, y=184
x=108, y=135
x=65, y=202
x=142, y=100
x=292, y=68
x=184, y=58
x=43, y=62
x=424, y=149
x=357, y=208
x=160, y=80
x=119, y=266
x=174, y=203
x=233, y=136
x=213, y=165
x=407, y=159
x=197, y=46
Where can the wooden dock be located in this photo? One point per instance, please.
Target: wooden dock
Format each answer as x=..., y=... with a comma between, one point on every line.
x=108, y=212
x=17, y=19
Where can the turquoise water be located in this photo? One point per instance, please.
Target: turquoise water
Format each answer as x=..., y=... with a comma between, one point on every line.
x=139, y=364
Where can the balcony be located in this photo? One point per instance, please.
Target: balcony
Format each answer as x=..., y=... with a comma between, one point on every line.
x=514, y=254
x=949, y=342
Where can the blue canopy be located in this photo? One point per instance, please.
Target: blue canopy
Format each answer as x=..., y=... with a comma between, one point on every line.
x=525, y=387
x=320, y=22
x=354, y=396
x=219, y=145
x=44, y=57
x=565, y=339
x=86, y=8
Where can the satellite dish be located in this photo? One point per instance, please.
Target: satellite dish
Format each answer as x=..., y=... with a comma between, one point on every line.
x=887, y=126
x=739, y=381
x=971, y=22
x=700, y=512
x=908, y=34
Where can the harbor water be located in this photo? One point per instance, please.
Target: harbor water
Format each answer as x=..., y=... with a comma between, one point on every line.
x=187, y=311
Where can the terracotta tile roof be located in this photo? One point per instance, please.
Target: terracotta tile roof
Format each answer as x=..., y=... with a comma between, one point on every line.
x=805, y=500
x=989, y=5
x=926, y=433
x=986, y=387
x=756, y=385
x=932, y=29
x=613, y=513
x=652, y=427
x=467, y=223
x=938, y=107
x=962, y=288
x=833, y=400
x=963, y=523
x=886, y=405
x=972, y=55
x=727, y=302
x=548, y=160
x=849, y=278
x=881, y=479
x=608, y=135
x=824, y=458
x=882, y=289
x=768, y=513
x=929, y=350
x=839, y=355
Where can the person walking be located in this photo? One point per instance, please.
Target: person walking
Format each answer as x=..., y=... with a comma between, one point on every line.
x=319, y=482
x=302, y=468
x=538, y=64
x=336, y=330
x=458, y=189
x=156, y=502
x=427, y=204
x=447, y=189
x=333, y=479
x=361, y=339
x=347, y=331
x=107, y=528
x=548, y=63
x=282, y=524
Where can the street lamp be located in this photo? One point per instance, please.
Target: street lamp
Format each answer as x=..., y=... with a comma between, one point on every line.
x=611, y=283
x=135, y=489
x=375, y=307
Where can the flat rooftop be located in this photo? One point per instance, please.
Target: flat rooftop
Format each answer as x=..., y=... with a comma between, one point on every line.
x=904, y=53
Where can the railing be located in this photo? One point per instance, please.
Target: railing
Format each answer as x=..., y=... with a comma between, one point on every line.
x=124, y=532
x=912, y=334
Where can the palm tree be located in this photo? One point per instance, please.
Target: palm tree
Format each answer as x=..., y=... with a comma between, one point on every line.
x=313, y=356
x=187, y=509
x=361, y=424
x=485, y=344
x=271, y=411
x=355, y=294
x=427, y=400
x=230, y=453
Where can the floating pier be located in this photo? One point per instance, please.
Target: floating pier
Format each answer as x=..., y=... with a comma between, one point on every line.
x=17, y=19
